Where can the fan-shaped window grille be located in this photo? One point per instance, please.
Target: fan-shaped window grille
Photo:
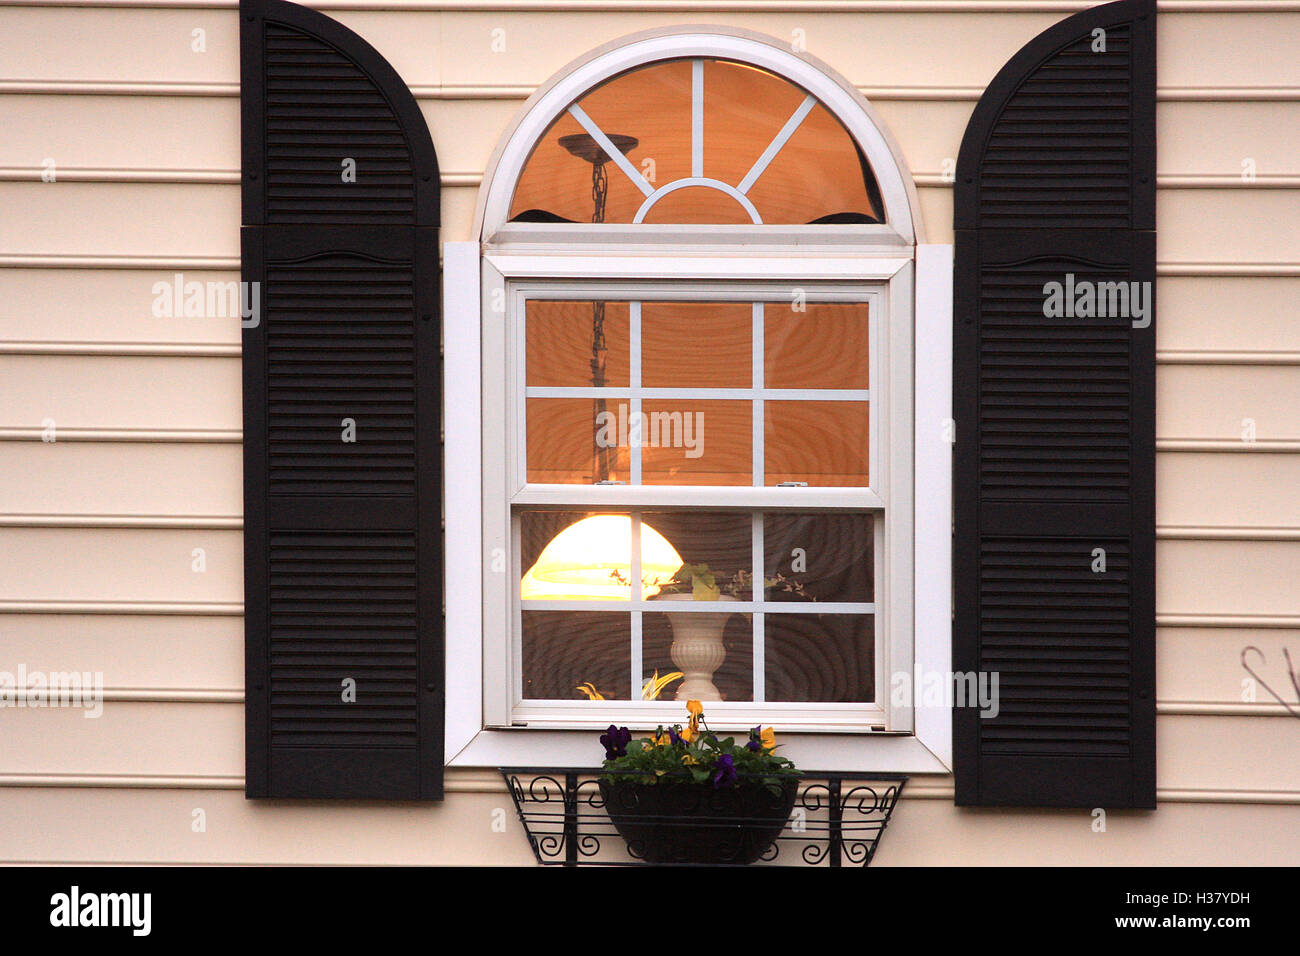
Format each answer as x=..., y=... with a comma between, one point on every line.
x=697, y=141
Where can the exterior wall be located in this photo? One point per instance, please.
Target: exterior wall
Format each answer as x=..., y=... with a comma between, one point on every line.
x=97, y=530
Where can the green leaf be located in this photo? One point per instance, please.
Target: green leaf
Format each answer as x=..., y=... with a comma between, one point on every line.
x=704, y=586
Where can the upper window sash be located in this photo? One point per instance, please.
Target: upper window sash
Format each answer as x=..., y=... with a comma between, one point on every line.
x=521, y=491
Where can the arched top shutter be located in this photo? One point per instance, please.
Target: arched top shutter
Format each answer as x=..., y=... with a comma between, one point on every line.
x=342, y=395
x=1054, y=399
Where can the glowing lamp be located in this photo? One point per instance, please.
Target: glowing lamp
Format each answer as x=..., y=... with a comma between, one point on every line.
x=579, y=563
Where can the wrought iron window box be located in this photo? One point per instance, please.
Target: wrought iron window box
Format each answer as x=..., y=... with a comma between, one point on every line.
x=838, y=818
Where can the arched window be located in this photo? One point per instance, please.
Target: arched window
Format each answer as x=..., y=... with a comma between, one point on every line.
x=697, y=294
x=696, y=140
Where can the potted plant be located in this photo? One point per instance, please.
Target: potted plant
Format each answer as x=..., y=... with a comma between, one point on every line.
x=684, y=796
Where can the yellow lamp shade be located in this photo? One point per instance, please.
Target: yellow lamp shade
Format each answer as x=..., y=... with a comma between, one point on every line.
x=579, y=562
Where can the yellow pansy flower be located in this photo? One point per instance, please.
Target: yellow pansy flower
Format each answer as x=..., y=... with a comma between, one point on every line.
x=768, y=738
x=696, y=710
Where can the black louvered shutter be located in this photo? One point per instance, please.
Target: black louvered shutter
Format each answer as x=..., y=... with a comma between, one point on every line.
x=342, y=395
x=1054, y=468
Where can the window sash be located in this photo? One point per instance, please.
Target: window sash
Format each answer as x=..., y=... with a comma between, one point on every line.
x=757, y=608
x=874, y=295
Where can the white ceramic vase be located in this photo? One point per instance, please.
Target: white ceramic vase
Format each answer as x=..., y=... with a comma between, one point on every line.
x=697, y=649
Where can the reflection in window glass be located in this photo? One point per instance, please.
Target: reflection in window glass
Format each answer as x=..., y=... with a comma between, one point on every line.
x=828, y=556
x=819, y=657
x=675, y=393
x=697, y=631
x=768, y=153
x=821, y=443
x=824, y=345
x=697, y=344
x=733, y=677
x=565, y=445
x=697, y=442
x=576, y=344
x=563, y=651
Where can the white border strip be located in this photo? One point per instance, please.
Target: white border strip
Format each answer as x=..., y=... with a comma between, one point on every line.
x=463, y=495
x=932, y=570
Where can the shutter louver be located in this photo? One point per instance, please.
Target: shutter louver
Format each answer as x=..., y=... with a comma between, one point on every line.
x=342, y=403
x=1054, y=464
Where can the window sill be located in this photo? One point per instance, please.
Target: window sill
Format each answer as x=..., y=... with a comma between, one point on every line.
x=877, y=751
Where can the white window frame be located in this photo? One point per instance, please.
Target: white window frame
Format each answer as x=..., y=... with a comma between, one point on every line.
x=914, y=283
x=888, y=293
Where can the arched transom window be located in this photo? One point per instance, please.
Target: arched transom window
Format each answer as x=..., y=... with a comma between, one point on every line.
x=696, y=140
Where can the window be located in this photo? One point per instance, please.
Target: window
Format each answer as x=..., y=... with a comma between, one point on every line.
x=696, y=341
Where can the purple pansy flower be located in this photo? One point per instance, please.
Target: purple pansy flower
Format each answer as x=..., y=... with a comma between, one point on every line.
x=726, y=774
x=674, y=737
x=615, y=741
x=755, y=744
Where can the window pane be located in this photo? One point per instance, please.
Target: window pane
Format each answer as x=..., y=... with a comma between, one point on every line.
x=563, y=650
x=718, y=543
x=560, y=339
x=720, y=654
x=818, y=175
x=819, y=657
x=699, y=205
x=651, y=105
x=568, y=442
x=573, y=556
x=819, y=557
x=825, y=346
x=697, y=442
x=697, y=345
x=822, y=443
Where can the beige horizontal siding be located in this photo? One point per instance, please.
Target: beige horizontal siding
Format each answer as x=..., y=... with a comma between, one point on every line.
x=140, y=652
x=48, y=221
x=202, y=392
x=1214, y=401
x=199, y=135
x=98, y=530
x=148, y=826
x=1209, y=490
x=39, y=480
x=104, y=307
x=179, y=658
x=138, y=825
x=175, y=480
x=1229, y=314
x=50, y=566
x=1218, y=577
x=455, y=47
x=125, y=392
x=1196, y=667
x=53, y=566
x=205, y=740
x=1245, y=319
